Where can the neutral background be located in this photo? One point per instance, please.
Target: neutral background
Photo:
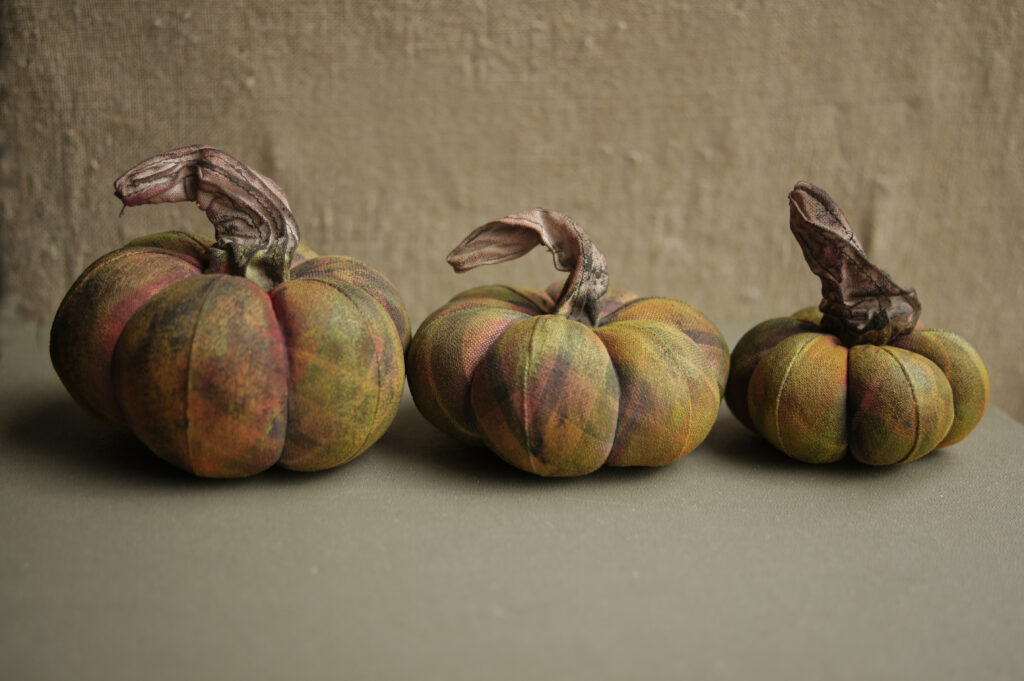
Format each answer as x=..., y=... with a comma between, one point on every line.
x=672, y=132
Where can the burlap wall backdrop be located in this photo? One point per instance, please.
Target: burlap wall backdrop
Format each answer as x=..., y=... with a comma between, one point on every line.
x=672, y=132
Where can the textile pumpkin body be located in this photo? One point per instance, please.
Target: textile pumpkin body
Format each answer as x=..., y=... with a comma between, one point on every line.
x=634, y=382
x=858, y=375
x=816, y=399
x=223, y=378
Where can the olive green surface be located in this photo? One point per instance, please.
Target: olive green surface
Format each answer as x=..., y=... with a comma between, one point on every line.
x=427, y=559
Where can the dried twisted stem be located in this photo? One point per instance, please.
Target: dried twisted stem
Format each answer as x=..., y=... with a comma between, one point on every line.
x=571, y=248
x=255, y=230
x=860, y=302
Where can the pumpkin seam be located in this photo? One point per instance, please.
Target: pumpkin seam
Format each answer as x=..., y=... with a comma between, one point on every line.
x=434, y=386
x=782, y=387
x=619, y=415
x=84, y=278
x=525, y=396
x=188, y=374
x=525, y=299
x=913, y=397
x=850, y=408
x=685, y=383
x=609, y=318
x=363, y=446
x=289, y=382
x=710, y=380
x=431, y=379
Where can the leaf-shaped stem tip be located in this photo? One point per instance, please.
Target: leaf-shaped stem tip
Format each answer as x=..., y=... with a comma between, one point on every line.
x=254, y=226
x=860, y=302
x=572, y=250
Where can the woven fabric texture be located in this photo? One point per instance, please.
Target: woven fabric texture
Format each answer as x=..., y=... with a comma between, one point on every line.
x=671, y=130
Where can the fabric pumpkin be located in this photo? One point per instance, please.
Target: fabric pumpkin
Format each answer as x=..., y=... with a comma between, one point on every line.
x=563, y=381
x=859, y=374
x=228, y=356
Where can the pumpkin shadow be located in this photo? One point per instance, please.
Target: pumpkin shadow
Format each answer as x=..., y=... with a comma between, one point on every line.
x=415, y=442
x=735, y=444
x=732, y=442
x=53, y=436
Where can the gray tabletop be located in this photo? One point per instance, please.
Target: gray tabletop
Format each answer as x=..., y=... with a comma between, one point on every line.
x=424, y=559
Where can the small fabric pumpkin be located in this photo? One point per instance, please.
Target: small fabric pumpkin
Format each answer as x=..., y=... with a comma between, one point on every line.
x=228, y=356
x=858, y=374
x=563, y=381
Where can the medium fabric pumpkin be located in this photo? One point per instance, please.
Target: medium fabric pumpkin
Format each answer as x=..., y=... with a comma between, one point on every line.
x=859, y=375
x=228, y=356
x=563, y=381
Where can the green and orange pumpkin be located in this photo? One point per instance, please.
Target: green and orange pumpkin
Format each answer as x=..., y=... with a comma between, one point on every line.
x=858, y=375
x=559, y=382
x=227, y=356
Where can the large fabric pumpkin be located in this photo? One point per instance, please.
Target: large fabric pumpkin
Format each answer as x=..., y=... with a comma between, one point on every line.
x=228, y=356
x=563, y=381
x=859, y=375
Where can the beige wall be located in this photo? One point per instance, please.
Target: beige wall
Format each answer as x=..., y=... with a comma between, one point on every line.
x=672, y=132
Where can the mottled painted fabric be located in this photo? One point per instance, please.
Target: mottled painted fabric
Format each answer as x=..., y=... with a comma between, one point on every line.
x=201, y=377
x=963, y=368
x=817, y=401
x=545, y=397
x=749, y=352
x=555, y=397
x=343, y=365
x=798, y=397
x=668, y=391
x=222, y=379
x=355, y=273
x=901, y=405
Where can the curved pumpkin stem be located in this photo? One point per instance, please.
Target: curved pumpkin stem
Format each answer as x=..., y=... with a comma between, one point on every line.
x=571, y=248
x=255, y=229
x=860, y=302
